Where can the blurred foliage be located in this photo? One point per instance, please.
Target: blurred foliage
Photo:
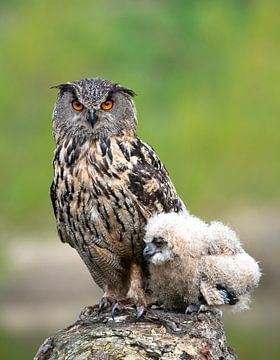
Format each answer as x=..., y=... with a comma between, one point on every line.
x=18, y=347
x=253, y=343
x=208, y=79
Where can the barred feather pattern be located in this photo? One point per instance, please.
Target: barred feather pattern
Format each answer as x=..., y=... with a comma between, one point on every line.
x=103, y=192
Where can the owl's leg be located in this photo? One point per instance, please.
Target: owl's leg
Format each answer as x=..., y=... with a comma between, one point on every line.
x=136, y=290
x=136, y=294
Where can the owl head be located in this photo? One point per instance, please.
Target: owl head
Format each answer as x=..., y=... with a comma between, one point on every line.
x=93, y=107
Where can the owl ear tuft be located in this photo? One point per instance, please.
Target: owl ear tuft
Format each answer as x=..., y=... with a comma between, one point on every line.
x=65, y=87
x=127, y=91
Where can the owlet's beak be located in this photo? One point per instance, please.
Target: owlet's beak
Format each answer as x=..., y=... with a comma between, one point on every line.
x=91, y=117
x=148, y=252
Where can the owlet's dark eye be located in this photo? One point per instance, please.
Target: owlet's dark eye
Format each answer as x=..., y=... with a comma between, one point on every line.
x=158, y=241
x=107, y=105
x=76, y=105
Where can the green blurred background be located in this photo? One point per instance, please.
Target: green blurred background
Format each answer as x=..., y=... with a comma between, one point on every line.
x=207, y=76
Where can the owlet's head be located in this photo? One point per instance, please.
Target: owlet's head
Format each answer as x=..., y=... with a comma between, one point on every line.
x=93, y=107
x=164, y=236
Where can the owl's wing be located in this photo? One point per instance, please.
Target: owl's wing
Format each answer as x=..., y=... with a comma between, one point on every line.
x=61, y=229
x=149, y=182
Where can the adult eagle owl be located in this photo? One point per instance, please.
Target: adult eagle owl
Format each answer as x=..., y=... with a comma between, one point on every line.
x=107, y=183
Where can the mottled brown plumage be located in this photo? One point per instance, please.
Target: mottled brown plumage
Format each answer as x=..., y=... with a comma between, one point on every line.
x=107, y=182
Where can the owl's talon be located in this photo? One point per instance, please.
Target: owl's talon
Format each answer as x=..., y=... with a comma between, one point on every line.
x=105, y=302
x=120, y=305
x=191, y=309
x=101, y=308
x=228, y=297
x=115, y=310
x=203, y=308
x=140, y=309
x=214, y=310
x=224, y=296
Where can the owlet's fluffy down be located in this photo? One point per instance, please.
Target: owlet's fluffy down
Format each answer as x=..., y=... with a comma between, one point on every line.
x=192, y=263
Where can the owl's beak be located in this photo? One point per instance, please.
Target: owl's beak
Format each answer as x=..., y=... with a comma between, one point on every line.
x=91, y=117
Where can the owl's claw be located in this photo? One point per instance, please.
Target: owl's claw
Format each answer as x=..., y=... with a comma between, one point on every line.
x=127, y=304
x=203, y=308
x=105, y=302
x=228, y=297
x=115, y=310
x=196, y=308
x=119, y=305
x=224, y=296
x=214, y=310
x=191, y=309
x=140, y=309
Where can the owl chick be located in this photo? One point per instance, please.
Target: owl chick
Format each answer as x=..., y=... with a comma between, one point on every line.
x=107, y=183
x=192, y=263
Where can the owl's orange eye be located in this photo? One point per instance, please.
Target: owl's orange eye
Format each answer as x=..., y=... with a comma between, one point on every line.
x=107, y=105
x=77, y=105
